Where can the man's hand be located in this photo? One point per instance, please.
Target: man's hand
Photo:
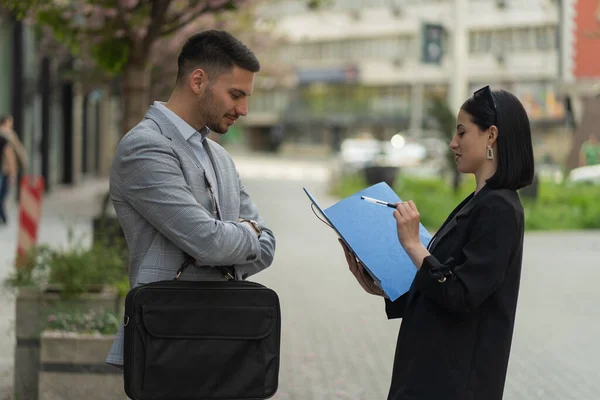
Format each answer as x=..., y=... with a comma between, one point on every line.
x=242, y=221
x=362, y=276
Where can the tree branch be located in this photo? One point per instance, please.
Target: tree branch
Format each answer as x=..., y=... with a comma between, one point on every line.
x=91, y=33
x=178, y=24
x=157, y=19
x=121, y=18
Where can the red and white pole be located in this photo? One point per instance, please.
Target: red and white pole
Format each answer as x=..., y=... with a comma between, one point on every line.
x=30, y=211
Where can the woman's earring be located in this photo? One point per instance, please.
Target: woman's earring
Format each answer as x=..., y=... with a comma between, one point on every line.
x=490, y=153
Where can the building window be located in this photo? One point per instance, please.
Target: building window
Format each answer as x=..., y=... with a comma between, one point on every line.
x=480, y=42
x=521, y=39
x=268, y=101
x=387, y=48
x=546, y=38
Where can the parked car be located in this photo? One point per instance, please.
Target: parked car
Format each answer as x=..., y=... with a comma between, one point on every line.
x=356, y=153
x=587, y=174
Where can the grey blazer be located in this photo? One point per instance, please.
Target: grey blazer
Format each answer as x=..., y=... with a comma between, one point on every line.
x=160, y=194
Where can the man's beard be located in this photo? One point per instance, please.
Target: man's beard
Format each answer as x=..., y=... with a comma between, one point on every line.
x=212, y=116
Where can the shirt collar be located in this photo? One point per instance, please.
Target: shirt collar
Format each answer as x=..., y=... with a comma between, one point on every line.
x=183, y=127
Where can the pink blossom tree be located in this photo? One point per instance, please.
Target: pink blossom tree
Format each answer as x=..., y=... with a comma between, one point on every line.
x=131, y=39
x=242, y=23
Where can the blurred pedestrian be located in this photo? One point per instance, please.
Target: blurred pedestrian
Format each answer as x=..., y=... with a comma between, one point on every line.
x=458, y=316
x=14, y=157
x=590, y=151
x=8, y=174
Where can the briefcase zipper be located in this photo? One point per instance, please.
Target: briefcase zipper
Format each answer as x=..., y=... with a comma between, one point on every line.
x=169, y=284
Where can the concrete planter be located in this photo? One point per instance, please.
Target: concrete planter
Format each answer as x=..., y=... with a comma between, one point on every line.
x=72, y=368
x=32, y=308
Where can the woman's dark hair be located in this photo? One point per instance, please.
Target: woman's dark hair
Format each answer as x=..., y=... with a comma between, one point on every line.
x=215, y=52
x=514, y=148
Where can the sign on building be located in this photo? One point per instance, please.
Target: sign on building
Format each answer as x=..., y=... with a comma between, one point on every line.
x=433, y=51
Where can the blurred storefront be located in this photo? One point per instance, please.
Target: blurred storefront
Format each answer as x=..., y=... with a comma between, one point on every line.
x=542, y=100
x=581, y=76
x=374, y=66
x=61, y=134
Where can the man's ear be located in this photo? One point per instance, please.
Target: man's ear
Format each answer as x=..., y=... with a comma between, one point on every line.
x=492, y=134
x=198, y=81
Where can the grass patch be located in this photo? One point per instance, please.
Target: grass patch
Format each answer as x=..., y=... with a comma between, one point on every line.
x=558, y=207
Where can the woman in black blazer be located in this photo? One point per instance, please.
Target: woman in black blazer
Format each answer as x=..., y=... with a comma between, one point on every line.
x=459, y=313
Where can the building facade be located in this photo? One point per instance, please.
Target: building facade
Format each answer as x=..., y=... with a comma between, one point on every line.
x=580, y=81
x=63, y=129
x=586, y=53
x=376, y=64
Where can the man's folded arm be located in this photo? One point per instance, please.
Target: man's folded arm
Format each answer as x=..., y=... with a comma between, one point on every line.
x=249, y=211
x=151, y=181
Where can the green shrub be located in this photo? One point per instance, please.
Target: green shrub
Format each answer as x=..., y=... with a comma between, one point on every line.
x=558, y=207
x=74, y=268
x=106, y=323
x=33, y=269
x=561, y=207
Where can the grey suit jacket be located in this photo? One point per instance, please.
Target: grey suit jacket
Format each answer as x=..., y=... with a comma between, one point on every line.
x=160, y=194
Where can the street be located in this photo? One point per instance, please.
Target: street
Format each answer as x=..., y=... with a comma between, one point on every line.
x=337, y=342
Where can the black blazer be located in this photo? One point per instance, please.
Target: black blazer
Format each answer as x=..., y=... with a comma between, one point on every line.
x=459, y=313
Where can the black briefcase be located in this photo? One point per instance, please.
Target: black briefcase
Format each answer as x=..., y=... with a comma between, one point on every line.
x=201, y=340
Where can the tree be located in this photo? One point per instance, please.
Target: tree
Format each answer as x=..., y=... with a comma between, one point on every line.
x=242, y=23
x=120, y=35
x=445, y=119
x=125, y=39
x=584, y=126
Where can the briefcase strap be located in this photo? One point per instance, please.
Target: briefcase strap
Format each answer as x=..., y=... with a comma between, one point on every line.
x=227, y=274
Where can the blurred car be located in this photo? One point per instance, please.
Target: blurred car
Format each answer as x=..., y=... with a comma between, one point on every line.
x=356, y=153
x=587, y=174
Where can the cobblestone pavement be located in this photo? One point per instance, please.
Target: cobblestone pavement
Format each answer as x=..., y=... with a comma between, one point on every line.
x=336, y=340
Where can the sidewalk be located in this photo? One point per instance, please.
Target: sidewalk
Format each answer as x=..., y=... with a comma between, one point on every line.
x=64, y=207
x=75, y=207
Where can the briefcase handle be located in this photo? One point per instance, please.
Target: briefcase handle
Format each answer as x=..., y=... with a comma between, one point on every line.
x=228, y=275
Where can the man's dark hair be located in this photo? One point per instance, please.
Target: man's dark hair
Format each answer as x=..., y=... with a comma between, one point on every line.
x=514, y=148
x=215, y=52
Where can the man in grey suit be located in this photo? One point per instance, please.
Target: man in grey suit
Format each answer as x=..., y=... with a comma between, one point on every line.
x=178, y=193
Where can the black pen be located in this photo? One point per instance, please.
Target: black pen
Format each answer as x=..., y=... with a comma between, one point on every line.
x=383, y=203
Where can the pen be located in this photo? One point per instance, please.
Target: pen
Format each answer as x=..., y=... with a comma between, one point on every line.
x=383, y=203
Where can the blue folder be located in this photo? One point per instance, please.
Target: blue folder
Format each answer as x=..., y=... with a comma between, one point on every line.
x=370, y=232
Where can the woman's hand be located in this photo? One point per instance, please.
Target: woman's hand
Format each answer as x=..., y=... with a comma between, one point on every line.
x=362, y=276
x=407, y=221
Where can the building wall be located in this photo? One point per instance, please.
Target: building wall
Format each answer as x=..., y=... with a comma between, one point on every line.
x=5, y=65
x=513, y=45
x=587, y=42
x=36, y=96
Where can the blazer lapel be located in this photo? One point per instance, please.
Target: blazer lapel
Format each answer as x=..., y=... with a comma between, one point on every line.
x=217, y=168
x=462, y=211
x=441, y=233
x=170, y=131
